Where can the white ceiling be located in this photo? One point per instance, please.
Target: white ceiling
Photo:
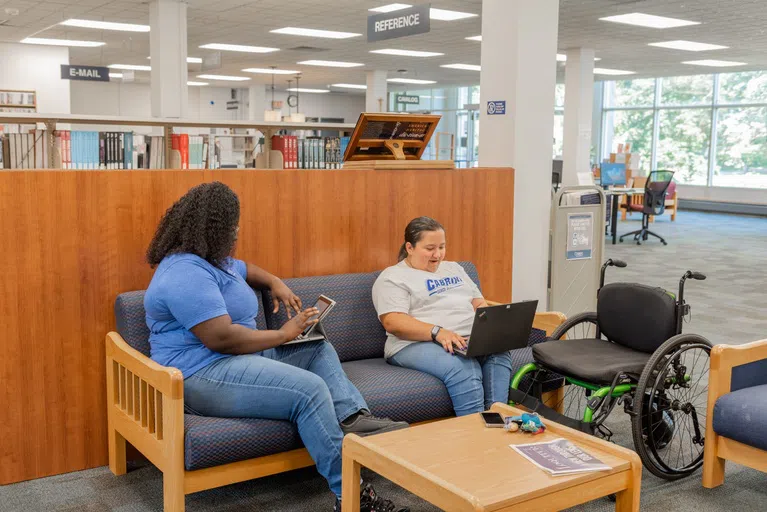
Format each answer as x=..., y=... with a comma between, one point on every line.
x=739, y=24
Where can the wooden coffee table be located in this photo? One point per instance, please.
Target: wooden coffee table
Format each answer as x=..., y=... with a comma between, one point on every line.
x=459, y=465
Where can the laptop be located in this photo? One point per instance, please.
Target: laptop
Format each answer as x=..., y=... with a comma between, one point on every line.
x=499, y=329
x=315, y=332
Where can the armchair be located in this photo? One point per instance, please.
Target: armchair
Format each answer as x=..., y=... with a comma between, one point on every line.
x=737, y=410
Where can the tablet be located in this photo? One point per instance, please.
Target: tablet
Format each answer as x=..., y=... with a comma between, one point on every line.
x=324, y=304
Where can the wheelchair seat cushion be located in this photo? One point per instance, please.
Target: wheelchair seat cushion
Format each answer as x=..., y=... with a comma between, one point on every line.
x=591, y=360
x=636, y=316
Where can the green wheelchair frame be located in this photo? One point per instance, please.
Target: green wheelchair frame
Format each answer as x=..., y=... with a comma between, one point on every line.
x=645, y=400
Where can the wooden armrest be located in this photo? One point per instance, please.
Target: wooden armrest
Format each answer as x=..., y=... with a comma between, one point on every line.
x=546, y=321
x=725, y=357
x=168, y=381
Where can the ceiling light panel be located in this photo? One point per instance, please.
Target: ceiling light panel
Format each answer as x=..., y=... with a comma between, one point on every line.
x=270, y=71
x=105, y=25
x=302, y=89
x=350, y=86
x=714, y=63
x=330, y=63
x=224, y=77
x=62, y=42
x=648, y=20
x=445, y=15
x=390, y=8
x=410, y=81
x=616, y=72
x=406, y=53
x=189, y=60
x=115, y=75
x=310, y=32
x=465, y=67
x=563, y=58
x=475, y=38
x=238, y=48
x=198, y=84
x=689, y=46
x=130, y=67
x=435, y=14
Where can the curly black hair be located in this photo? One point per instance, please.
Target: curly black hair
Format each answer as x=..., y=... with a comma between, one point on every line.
x=203, y=222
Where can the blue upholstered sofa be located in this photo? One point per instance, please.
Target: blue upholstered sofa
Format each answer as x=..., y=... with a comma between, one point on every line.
x=736, y=420
x=220, y=451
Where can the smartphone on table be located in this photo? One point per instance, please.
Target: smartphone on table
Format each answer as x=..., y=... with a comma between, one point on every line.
x=492, y=419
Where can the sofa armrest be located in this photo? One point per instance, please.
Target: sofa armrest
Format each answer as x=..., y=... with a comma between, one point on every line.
x=725, y=359
x=145, y=406
x=546, y=321
x=168, y=381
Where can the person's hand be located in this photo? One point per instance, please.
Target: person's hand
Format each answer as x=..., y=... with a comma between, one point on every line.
x=281, y=293
x=449, y=339
x=298, y=323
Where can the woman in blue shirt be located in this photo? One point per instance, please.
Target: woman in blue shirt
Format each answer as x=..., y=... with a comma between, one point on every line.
x=201, y=310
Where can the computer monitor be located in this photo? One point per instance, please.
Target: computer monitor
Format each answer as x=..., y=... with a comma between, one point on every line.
x=613, y=174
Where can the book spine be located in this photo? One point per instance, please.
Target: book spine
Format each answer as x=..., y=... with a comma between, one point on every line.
x=184, y=143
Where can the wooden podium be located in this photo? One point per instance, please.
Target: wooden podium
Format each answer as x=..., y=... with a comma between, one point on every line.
x=392, y=141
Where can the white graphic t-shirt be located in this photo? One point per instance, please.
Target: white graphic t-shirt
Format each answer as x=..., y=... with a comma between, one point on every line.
x=441, y=298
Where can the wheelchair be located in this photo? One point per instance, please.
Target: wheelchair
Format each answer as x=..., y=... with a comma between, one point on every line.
x=631, y=353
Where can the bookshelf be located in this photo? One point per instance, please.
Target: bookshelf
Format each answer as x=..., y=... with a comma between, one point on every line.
x=17, y=100
x=52, y=122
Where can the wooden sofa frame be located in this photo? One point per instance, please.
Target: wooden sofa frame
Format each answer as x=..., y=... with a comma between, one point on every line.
x=719, y=449
x=146, y=409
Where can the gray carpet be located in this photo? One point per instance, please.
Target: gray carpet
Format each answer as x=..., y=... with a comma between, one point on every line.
x=726, y=308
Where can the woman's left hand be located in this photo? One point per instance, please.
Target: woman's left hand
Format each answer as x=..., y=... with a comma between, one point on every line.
x=281, y=293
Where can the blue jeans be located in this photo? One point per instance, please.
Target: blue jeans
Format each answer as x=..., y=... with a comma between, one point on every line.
x=474, y=384
x=302, y=383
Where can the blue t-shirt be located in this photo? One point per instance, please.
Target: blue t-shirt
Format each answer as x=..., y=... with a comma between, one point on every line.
x=185, y=291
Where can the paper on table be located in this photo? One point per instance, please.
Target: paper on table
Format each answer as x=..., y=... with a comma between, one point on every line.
x=559, y=457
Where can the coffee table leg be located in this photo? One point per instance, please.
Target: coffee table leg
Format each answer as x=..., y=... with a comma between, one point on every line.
x=350, y=484
x=628, y=499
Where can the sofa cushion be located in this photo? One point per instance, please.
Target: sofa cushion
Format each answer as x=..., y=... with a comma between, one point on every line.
x=742, y=415
x=215, y=441
x=352, y=327
x=399, y=393
x=131, y=319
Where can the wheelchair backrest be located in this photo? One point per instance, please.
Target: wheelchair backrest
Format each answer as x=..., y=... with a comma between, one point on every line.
x=636, y=316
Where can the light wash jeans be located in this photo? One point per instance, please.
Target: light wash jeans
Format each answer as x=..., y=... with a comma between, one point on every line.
x=474, y=384
x=303, y=383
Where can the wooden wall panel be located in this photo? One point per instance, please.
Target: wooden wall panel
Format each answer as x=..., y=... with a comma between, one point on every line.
x=75, y=239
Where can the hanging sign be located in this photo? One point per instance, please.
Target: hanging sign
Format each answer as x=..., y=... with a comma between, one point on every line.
x=399, y=23
x=92, y=73
x=408, y=100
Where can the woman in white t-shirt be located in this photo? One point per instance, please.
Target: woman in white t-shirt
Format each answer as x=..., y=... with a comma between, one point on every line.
x=424, y=299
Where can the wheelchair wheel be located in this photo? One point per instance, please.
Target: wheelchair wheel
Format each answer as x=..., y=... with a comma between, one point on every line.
x=578, y=327
x=669, y=414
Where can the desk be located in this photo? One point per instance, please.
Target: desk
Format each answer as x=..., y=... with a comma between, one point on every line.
x=615, y=194
x=461, y=466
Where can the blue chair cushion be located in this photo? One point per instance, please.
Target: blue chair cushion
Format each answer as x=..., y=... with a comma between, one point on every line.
x=215, y=441
x=742, y=415
x=130, y=318
x=399, y=393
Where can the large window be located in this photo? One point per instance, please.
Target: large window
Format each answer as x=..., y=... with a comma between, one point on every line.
x=708, y=129
x=683, y=144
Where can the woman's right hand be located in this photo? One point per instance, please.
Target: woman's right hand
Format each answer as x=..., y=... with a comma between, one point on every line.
x=298, y=323
x=449, y=339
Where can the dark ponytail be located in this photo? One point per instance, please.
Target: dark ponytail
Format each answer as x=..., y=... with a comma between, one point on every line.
x=414, y=232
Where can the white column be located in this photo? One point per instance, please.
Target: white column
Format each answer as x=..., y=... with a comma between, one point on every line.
x=256, y=102
x=579, y=103
x=376, y=82
x=167, y=41
x=519, y=48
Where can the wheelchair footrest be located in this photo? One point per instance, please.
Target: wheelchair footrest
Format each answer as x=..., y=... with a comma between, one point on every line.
x=535, y=405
